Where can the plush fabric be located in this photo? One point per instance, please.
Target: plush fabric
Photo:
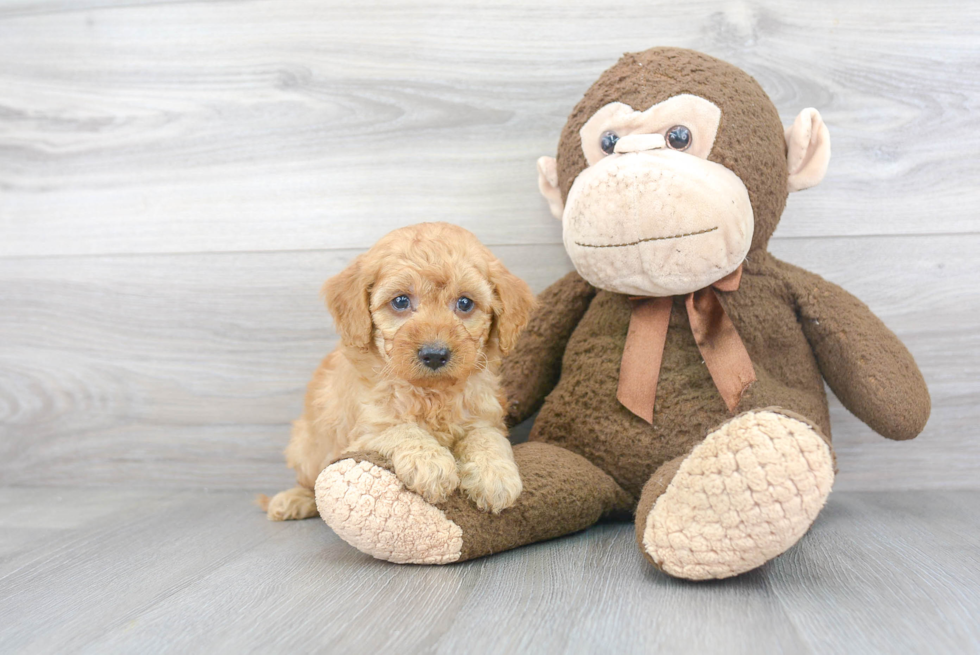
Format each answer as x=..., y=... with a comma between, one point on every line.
x=369, y=507
x=721, y=348
x=677, y=197
x=803, y=141
x=701, y=116
x=743, y=496
x=750, y=140
x=589, y=458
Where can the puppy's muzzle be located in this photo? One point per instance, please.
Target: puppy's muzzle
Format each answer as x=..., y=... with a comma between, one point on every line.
x=435, y=355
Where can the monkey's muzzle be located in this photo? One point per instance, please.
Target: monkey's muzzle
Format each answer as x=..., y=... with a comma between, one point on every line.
x=656, y=222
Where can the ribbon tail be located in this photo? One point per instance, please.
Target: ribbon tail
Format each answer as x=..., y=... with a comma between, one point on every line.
x=724, y=353
x=639, y=369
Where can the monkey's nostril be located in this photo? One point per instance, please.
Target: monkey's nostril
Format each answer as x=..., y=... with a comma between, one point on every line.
x=434, y=356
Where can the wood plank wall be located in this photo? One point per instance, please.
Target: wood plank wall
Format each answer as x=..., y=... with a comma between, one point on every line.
x=177, y=178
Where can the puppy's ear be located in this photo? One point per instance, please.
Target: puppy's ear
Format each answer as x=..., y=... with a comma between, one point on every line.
x=513, y=303
x=347, y=297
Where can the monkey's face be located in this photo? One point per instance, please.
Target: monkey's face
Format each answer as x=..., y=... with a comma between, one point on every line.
x=656, y=167
x=650, y=215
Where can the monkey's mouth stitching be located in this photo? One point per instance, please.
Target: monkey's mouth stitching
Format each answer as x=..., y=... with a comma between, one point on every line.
x=633, y=243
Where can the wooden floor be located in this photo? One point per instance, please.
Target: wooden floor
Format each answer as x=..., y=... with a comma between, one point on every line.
x=104, y=571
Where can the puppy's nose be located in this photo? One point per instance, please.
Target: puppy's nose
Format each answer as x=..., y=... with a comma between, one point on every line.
x=434, y=355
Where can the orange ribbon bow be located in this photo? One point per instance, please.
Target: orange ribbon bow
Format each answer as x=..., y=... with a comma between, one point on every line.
x=724, y=353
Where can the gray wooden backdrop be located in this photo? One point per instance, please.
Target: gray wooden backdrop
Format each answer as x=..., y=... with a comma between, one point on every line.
x=177, y=178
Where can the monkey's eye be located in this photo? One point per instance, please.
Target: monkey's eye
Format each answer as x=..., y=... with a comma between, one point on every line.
x=608, y=142
x=464, y=305
x=679, y=137
x=401, y=303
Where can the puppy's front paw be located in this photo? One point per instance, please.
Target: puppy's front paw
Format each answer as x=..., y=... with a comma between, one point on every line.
x=429, y=472
x=493, y=486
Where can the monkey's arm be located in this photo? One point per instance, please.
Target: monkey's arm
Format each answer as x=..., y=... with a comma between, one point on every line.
x=866, y=366
x=531, y=370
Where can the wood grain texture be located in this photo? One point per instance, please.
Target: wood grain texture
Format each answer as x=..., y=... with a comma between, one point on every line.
x=914, y=558
x=177, y=370
x=178, y=177
x=185, y=370
x=242, y=126
x=31, y=518
x=879, y=572
x=92, y=586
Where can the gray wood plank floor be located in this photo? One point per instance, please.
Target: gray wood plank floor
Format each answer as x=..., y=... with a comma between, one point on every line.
x=107, y=571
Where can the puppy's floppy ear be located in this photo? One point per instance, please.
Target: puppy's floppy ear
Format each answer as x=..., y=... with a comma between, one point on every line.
x=512, y=306
x=347, y=297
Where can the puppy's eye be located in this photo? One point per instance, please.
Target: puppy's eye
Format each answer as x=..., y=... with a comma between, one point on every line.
x=679, y=137
x=464, y=304
x=401, y=303
x=608, y=142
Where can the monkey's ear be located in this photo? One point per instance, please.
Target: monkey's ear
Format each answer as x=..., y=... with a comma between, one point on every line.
x=807, y=150
x=346, y=295
x=548, y=185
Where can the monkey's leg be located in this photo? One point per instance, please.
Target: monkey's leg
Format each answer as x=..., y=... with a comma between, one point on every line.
x=744, y=495
x=368, y=507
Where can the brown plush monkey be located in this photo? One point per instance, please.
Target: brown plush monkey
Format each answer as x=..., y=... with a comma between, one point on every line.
x=679, y=371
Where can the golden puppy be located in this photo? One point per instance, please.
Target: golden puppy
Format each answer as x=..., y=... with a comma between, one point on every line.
x=424, y=317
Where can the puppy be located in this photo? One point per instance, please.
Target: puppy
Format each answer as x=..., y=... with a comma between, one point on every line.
x=424, y=317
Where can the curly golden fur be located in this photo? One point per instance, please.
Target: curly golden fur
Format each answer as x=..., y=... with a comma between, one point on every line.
x=441, y=427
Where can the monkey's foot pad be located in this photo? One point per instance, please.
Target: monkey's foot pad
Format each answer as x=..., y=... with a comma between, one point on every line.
x=744, y=495
x=369, y=508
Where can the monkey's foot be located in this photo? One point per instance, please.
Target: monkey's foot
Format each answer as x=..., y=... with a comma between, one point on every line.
x=744, y=495
x=369, y=508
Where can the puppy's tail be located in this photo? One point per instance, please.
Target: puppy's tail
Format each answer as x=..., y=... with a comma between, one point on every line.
x=262, y=501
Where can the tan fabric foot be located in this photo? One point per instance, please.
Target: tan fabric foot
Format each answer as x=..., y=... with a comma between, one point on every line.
x=369, y=508
x=744, y=495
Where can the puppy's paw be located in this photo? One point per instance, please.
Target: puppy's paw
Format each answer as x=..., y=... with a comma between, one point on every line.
x=493, y=485
x=292, y=504
x=429, y=472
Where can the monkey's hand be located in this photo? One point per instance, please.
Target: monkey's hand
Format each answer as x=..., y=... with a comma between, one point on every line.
x=866, y=366
x=531, y=370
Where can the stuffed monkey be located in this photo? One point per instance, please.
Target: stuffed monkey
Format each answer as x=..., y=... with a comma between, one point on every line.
x=679, y=371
